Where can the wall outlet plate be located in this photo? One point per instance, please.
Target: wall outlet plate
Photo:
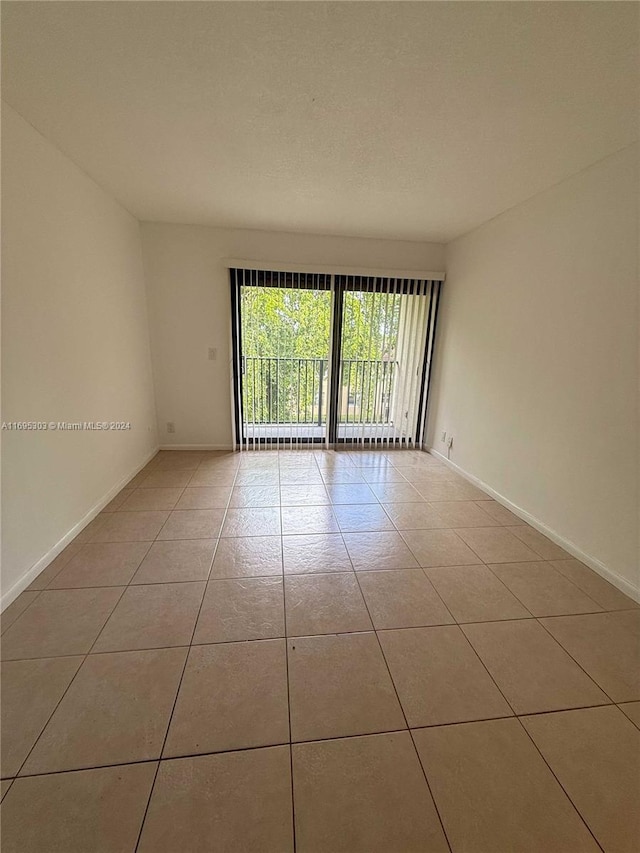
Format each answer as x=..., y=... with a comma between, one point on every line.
x=443, y=435
x=171, y=427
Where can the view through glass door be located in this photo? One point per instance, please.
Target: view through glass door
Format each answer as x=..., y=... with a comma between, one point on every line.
x=284, y=348
x=331, y=359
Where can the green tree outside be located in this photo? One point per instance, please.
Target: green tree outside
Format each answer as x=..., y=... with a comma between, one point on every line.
x=286, y=342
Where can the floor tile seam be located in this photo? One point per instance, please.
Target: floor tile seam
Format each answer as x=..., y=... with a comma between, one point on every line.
x=406, y=721
x=178, y=687
x=68, y=687
x=286, y=657
x=600, y=609
x=187, y=645
x=562, y=787
x=569, y=654
x=163, y=757
x=22, y=612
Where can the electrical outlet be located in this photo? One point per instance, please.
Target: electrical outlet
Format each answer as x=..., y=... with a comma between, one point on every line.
x=171, y=427
x=443, y=436
x=450, y=441
x=212, y=353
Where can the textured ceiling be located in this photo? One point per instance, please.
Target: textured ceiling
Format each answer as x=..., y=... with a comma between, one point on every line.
x=401, y=120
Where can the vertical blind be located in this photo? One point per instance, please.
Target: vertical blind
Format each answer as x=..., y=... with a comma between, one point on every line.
x=322, y=359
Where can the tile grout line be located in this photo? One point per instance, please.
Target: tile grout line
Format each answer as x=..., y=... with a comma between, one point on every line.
x=286, y=656
x=302, y=742
x=395, y=690
x=562, y=788
x=180, y=680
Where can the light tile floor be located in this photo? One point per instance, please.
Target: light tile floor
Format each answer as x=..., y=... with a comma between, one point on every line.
x=319, y=651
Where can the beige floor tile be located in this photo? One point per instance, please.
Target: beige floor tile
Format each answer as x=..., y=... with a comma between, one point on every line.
x=547, y=549
x=296, y=495
x=323, y=552
x=248, y=496
x=495, y=793
x=89, y=532
x=449, y=489
x=60, y=622
x=131, y=527
x=413, y=516
x=241, y=609
x=595, y=755
x=454, y=514
x=152, y=616
x=543, y=590
x=17, y=608
x=150, y=499
x=120, y=498
x=394, y=492
x=259, y=477
x=51, y=571
x=250, y=556
x=402, y=598
x=439, y=548
x=632, y=710
x=339, y=685
x=500, y=513
x=166, y=480
x=324, y=604
x=116, y=711
x=232, y=696
x=363, y=795
x=192, y=524
x=90, y=810
x=215, y=477
x=179, y=460
x=383, y=475
x=496, y=545
x=474, y=594
x=235, y=801
x=531, y=669
x=308, y=519
x=300, y=476
x=362, y=518
x=597, y=588
x=204, y=497
x=252, y=521
x=383, y=550
x=606, y=645
x=101, y=564
x=177, y=560
x=351, y=493
x=31, y=689
x=439, y=678
x=342, y=476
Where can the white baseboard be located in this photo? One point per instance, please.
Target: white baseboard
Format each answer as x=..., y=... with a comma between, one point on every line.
x=31, y=574
x=196, y=447
x=604, y=571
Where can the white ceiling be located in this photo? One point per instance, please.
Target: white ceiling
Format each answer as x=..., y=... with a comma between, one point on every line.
x=401, y=120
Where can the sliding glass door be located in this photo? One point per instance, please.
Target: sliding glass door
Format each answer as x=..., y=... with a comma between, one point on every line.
x=283, y=325
x=331, y=359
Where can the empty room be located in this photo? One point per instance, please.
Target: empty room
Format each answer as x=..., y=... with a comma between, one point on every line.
x=320, y=427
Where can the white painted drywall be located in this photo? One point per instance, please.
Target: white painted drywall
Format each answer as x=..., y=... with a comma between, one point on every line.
x=75, y=346
x=536, y=372
x=189, y=310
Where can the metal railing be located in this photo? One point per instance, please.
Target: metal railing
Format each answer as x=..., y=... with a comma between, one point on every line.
x=294, y=390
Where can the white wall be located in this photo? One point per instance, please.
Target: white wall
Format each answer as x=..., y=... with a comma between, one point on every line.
x=75, y=347
x=189, y=310
x=537, y=360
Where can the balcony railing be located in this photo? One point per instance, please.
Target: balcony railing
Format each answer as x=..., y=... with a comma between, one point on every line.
x=294, y=390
